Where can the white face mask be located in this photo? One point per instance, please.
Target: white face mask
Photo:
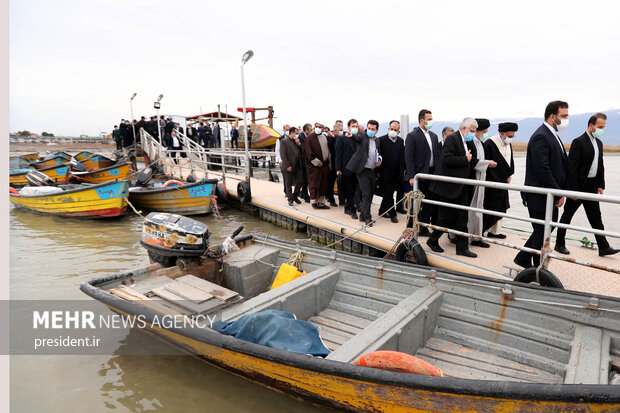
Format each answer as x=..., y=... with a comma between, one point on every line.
x=563, y=124
x=507, y=139
x=318, y=131
x=392, y=134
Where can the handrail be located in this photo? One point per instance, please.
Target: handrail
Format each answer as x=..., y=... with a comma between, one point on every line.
x=545, y=252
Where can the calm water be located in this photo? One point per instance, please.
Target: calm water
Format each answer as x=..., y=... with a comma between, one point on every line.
x=50, y=257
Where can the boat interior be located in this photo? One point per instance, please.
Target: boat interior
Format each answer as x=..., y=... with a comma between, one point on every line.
x=468, y=327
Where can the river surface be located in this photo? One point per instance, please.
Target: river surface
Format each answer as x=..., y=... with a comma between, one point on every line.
x=50, y=257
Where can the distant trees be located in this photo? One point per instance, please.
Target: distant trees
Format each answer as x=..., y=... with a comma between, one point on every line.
x=23, y=133
x=47, y=134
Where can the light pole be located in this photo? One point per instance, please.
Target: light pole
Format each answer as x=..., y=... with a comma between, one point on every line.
x=157, y=105
x=133, y=127
x=248, y=167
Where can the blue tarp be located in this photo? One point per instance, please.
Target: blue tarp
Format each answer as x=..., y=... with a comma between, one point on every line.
x=276, y=329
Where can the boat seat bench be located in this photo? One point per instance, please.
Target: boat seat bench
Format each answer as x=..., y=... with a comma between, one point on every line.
x=305, y=296
x=405, y=327
x=589, y=358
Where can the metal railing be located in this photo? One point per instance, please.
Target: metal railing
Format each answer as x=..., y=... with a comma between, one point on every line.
x=545, y=252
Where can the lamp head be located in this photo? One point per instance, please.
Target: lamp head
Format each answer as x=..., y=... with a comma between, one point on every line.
x=247, y=56
x=160, y=97
x=133, y=96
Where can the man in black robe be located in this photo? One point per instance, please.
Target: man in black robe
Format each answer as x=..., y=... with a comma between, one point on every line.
x=498, y=148
x=392, y=171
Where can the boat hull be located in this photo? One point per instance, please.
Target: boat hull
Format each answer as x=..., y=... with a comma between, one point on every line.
x=97, y=161
x=97, y=201
x=31, y=157
x=103, y=175
x=18, y=179
x=58, y=173
x=83, y=155
x=57, y=160
x=189, y=199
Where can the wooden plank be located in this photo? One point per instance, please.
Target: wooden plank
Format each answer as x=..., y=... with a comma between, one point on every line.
x=203, y=307
x=188, y=292
x=345, y=318
x=147, y=285
x=131, y=295
x=218, y=291
x=176, y=308
x=335, y=325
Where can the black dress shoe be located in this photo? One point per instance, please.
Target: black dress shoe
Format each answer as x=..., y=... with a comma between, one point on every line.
x=323, y=206
x=354, y=215
x=315, y=206
x=362, y=219
x=492, y=235
x=562, y=249
x=452, y=240
x=522, y=263
x=297, y=200
x=608, y=251
x=394, y=219
x=424, y=232
x=434, y=246
x=480, y=243
x=368, y=223
x=332, y=204
x=401, y=211
x=307, y=200
x=290, y=203
x=467, y=253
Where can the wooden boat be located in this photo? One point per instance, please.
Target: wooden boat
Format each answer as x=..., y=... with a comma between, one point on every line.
x=30, y=157
x=18, y=162
x=83, y=155
x=58, y=173
x=262, y=137
x=502, y=346
x=17, y=177
x=97, y=161
x=186, y=199
x=63, y=155
x=48, y=163
x=80, y=201
x=103, y=175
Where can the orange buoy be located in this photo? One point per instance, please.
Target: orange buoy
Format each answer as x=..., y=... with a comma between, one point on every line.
x=397, y=361
x=173, y=182
x=13, y=190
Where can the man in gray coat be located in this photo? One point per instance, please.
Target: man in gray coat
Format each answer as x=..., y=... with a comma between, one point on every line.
x=290, y=153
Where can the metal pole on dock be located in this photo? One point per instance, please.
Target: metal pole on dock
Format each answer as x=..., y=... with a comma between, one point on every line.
x=248, y=165
x=404, y=126
x=157, y=105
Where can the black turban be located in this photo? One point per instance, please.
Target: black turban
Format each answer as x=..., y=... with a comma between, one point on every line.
x=483, y=123
x=508, y=127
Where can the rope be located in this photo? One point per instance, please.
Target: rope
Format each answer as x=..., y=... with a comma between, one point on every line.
x=413, y=198
x=296, y=259
x=217, y=210
x=132, y=207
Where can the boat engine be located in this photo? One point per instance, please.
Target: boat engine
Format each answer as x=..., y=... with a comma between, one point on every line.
x=171, y=237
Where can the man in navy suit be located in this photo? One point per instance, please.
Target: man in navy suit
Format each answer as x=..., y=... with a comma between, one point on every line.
x=546, y=166
x=422, y=152
x=586, y=174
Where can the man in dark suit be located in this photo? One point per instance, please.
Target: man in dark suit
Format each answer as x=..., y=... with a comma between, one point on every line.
x=392, y=170
x=345, y=148
x=546, y=166
x=458, y=158
x=422, y=151
x=303, y=194
x=363, y=163
x=586, y=174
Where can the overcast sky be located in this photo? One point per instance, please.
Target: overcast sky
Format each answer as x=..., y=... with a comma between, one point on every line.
x=75, y=64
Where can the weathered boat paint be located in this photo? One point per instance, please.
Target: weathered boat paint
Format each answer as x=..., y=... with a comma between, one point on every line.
x=189, y=199
x=103, y=175
x=97, y=161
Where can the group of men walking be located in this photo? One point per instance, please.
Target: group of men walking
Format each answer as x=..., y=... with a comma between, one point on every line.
x=364, y=165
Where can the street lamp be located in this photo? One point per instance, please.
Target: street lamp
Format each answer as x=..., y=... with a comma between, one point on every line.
x=248, y=167
x=133, y=127
x=157, y=105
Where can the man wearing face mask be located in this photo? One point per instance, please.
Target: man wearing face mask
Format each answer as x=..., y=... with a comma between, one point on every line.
x=285, y=133
x=363, y=163
x=338, y=133
x=290, y=149
x=586, y=174
x=307, y=128
x=345, y=148
x=479, y=172
x=318, y=163
x=546, y=166
x=422, y=152
x=331, y=179
x=456, y=160
x=499, y=149
x=391, y=172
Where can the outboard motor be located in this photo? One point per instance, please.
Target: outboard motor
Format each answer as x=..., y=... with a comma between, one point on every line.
x=144, y=176
x=170, y=237
x=38, y=178
x=77, y=166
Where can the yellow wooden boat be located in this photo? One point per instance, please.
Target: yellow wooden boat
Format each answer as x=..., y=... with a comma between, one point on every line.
x=83, y=155
x=97, y=161
x=502, y=346
x=48, y=163
x=186, y=199
x=81, y=201
x=17, y=177
x=262, y=136
x=31, y=157
x=103, y=175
